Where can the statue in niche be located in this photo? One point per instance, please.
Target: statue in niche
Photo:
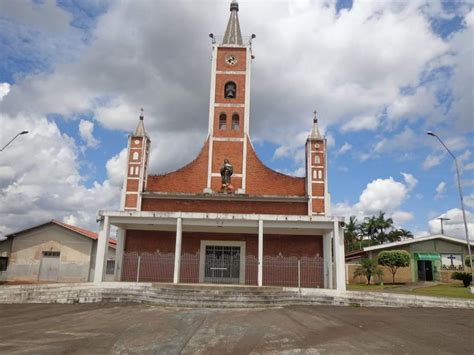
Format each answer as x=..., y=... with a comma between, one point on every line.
x=226, y=172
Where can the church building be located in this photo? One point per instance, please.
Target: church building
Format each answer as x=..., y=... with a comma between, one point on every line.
x=226, y=217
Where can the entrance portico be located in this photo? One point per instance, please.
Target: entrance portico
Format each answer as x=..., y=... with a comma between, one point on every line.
x=230, y=241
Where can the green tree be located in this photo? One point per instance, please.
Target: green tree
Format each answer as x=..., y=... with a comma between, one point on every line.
x=351, y=233
x=393, y=260
x=465, y=277
x=368, y=268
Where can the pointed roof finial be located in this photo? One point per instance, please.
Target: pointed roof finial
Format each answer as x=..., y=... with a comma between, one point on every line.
x=140, y=130
x=315, y=134
x=232, y=33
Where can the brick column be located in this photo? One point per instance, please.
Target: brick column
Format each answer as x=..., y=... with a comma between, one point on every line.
x=177, y=250
x=102, y=249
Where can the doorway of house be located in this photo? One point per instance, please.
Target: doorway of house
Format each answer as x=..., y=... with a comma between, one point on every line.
x=222, y=264
x=425, y=270
x=49, y=268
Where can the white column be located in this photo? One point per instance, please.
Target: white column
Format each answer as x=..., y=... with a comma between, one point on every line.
x=102, y=248
x=260, y=253
x=339, y=257
x=327, y=254
x=177, y=250
x=119, y=254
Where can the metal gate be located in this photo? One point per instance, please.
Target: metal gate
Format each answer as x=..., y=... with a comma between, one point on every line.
x=222, y=264
x=49, y=269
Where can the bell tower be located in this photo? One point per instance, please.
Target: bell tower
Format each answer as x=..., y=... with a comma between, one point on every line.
x=229, y=104
x=316, y=172
x=137, y=163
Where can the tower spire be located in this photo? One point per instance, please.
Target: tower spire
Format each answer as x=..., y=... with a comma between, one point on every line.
x=140, y=130
x=232, y=33
x=315, y=131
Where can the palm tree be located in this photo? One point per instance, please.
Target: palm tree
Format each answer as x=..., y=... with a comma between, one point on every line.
x=382, y=225
x=405, y=234
x=351, y=233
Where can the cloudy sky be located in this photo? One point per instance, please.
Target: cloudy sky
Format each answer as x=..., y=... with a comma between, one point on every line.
x=379, y=73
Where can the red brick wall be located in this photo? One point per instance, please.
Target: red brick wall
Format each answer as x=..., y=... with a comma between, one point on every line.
x=131, y=200
x=318, y=206
x=227, y=150
x=240, y=53
x=191, y=178
x=250, y=207
x=229, y=132
x=288, y=245
x=221, y=80
x=262, y=180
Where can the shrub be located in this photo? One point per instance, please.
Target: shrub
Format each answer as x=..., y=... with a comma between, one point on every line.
x=465, y=277
x=368, y=268
x=467, y=261
x=394, y=259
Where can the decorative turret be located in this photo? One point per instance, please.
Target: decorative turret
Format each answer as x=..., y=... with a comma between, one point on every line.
x=233, y=36
x=316, y=171
x=137, y=162
x=140, y=130
x=315, y=131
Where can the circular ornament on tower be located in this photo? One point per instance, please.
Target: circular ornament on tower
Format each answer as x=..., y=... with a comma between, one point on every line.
x=231, y=59
x=316, y=145
x=137, y=141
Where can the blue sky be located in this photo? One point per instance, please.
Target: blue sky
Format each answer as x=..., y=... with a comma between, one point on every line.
x=380, y=75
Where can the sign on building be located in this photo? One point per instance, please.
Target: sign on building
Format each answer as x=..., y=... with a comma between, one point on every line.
x=452, y=262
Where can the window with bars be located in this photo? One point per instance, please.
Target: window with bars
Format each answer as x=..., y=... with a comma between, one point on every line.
x=110, y=269
x=51, y=253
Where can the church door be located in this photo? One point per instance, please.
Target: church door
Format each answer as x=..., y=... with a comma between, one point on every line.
x=425, y=270
x=222, y=264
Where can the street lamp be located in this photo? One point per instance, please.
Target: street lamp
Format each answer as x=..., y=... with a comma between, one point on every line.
x=19, y=134
x=430, y=133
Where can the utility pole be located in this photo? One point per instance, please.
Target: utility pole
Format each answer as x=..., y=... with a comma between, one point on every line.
x=442, y=219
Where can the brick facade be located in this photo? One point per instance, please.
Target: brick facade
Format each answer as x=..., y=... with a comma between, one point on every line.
x=141, y=241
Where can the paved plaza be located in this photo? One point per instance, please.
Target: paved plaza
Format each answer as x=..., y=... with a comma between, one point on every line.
x=132, y=328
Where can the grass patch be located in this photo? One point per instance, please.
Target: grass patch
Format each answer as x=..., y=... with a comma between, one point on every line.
x=369, y=288
x=445, y=290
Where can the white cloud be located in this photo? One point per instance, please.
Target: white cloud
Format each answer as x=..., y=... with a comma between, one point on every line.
x=386, y=195
x=410, y=180
x=4, y=90
x=349, y=89
x=43, y=15
x=344, y=149
x=432, y=160
x=86, y=131
x=360, y=123
x=440, y=190
x=43, y=180
x=455, y=225
x=469, y=200
x=401, y=217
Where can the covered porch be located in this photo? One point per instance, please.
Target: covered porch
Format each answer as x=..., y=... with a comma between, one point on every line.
x=259, y=250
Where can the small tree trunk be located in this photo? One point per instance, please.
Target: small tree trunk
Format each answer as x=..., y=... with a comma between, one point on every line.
x=393, y=277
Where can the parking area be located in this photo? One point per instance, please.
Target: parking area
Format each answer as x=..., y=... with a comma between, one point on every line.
x=132, y=328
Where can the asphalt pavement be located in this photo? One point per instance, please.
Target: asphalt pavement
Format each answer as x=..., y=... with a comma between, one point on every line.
x=144, y=329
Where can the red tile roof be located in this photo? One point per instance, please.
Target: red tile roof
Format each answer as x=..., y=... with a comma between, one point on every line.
x=78, y=230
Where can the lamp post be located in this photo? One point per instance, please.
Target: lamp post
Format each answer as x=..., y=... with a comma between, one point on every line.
x=19, y=134
x=430, y=133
